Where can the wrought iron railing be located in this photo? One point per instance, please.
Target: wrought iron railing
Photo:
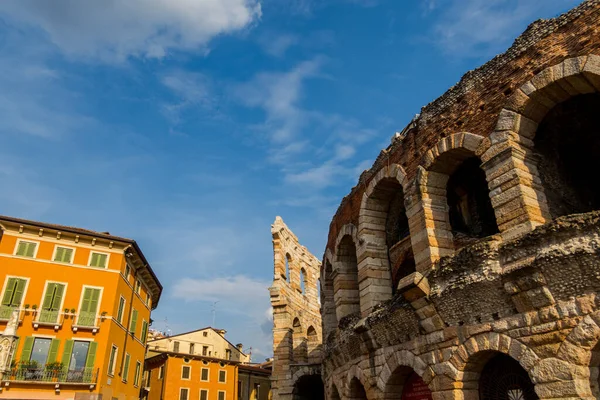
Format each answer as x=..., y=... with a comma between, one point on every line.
x=42, y=374
x=86, y=319
x=48, y=316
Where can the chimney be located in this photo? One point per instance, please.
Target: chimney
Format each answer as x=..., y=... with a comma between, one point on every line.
x=240, y=347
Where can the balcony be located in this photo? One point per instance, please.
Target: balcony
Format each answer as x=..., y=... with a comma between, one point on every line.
x=84, y=376
x=86, y=320
x=48, y=317
x=6, y=311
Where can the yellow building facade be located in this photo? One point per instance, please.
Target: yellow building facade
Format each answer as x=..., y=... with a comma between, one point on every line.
x=79, y=302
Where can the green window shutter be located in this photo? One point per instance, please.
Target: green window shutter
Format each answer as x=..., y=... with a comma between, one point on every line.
x=66, y=356
x=53, y=352
x=58, y=295
x=144, y=331
x=121, y=309
x=26, y=249
x=98, y=260
x=136, y=378
x=30, y=249
x=63, y=254
x=47, y=304
x=14, y=356
x=27, y=347
x=8, y=292
x=132, y=325
x=19, y=290
x=94, y=260
x=94, y=300
x=91, y=358
x=87, y=296
x=126, y=367
x=58, y=256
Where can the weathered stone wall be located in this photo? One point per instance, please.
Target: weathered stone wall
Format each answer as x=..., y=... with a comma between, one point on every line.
x=529, y=291
x=296, y=312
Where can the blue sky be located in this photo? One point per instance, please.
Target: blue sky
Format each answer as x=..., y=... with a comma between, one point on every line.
x=189, y=125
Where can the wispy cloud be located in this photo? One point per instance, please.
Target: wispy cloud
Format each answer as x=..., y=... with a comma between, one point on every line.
x=478, y=27
x=113, y=31
x=276, y=44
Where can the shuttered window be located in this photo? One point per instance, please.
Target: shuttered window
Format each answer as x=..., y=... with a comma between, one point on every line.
x=204, y=375
x=136, y=378
x=133, y=323
x=121, y=310
x=26, y=249
x=98, y=260
x=144, y=332
x=52, y=302
x=183, y=393
x=126, y=367
x=12, y=297
x=222, y=376
x=112, y=360
x=89, y=307
x=63, y=254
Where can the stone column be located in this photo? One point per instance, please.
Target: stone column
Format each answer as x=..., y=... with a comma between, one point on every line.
x=8, y=343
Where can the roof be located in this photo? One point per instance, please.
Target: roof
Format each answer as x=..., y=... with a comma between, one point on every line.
x=151, y=355
x=199, y=330
x=88, y=232
x=250, y=368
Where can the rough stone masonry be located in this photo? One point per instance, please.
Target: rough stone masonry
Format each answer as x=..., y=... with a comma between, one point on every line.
x=465, y=264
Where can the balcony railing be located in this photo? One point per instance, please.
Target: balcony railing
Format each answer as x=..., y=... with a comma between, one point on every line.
x=84, y=375
x=6, y=311
x=86, y=319
x=49, y=317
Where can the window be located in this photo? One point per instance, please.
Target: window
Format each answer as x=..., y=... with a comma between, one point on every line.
x=136, y=378
x=228, y=354
x=221, y=395
x=79, y=356
x=98, y=260
x=176, y=347
x=204, y=374
x=127, y=272
x=126, y=367
x=89, y=307
x=12, y=297
x=205, y=334
x=148, y=298
x=26, y=249
x=133, y=321
x=112, y=360
x=222, y=376
x=192, y=348
x=39, y=351
x=121, y=310
x=204, y=350
x=63, y=254
x=161, y=372
x=257, y=390
x=183, y=393
x=186, y=371
x=138, y=286
x=203, y=394
x=239, y=390
x=144, y=331
x=52, y=303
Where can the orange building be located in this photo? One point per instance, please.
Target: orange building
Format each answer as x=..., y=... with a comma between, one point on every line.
x=77, y=303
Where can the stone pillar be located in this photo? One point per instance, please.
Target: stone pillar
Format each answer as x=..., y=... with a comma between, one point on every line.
x=8, y=343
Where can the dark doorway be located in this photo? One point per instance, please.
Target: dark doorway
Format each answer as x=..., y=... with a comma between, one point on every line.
x=503, y=378
x=309, y=387
x=568, y=145
x=470, y=208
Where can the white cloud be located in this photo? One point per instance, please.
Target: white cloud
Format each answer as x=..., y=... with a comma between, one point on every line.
x=113, y=30
x=478, y=27
x=276, y=44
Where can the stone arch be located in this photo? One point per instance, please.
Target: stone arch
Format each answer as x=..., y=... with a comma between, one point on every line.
x=300, y=345
x=333, y=393
x=383, y=225
x=517, y=190
x=329, y=320
x=356, y=380
x=313, y=345
x=308, y=385
x=452, y=164
x=303, y=281
x=399, y=368
x=345, y=273
x=288, y=267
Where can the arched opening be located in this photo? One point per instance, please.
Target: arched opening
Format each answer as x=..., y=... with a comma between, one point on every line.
x=309, y=387
x=356, y=390
x=386, y=209
x=314, y=350
x=500, y=377
x=303, y=281
x=469, y=206
x=288, y=261
x=567, y=143
x=299, y=343
x=329, y=319
x=346, y=294
x=404, y=383
x=335, y=394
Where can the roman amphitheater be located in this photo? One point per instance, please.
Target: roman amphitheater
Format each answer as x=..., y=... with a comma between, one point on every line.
x=465, y=264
